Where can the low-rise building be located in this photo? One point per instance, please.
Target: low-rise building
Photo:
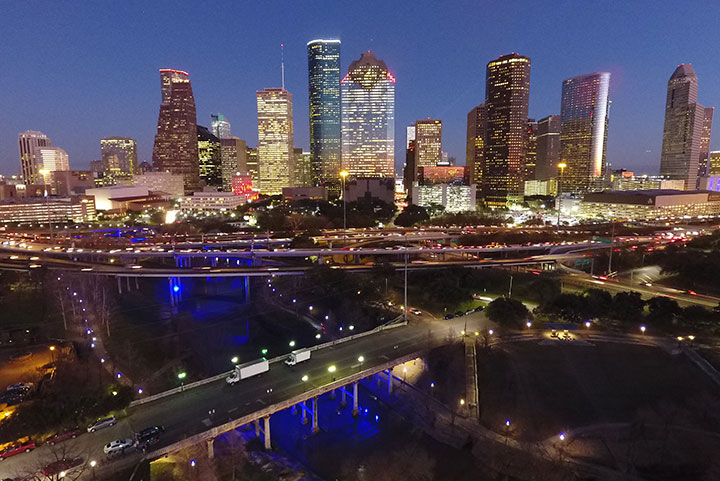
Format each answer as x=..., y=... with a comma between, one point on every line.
x=370, y=188
x=454, y=198
x=104, y=195
x=211, y=201
x=541, y=187
x=71, y=182
x=167, y=182
x=302, y=193
x=649, y=204
x=79, y=208
x=645, y=182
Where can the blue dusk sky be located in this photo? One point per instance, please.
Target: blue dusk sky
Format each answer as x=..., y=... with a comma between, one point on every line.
x=83, y=70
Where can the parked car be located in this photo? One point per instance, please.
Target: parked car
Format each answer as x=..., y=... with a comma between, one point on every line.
x=118, y=446
x=62, y=465
x=449, y=316
x=102, y=423
x=64, y=435
x=17, y=448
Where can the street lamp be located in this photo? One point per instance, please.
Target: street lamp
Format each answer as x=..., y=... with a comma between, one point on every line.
x=343, y=175
x=52, y=353
x=642, y=329
x=332, y=368
x=561, y=166
x=234, y=360
x=44, y=173
x=291, y=343
x=182, y=376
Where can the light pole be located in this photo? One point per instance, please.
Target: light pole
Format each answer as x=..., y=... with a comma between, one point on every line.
x=561, y=166
x=182, y=377
x=44, y=173
x=52, y=353
x=343, y=175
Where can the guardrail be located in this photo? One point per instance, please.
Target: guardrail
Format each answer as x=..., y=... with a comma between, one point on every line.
x=390, y=325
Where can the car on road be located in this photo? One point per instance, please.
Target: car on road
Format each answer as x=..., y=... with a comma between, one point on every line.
x=148, y=436
x=102, y=423
x=118, y=446
x=17, y=448
x=68, y=466
x=417, y=312
x=63, y=435
x=449, y=316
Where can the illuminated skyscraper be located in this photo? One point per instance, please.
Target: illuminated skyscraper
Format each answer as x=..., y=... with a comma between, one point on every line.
x=705, y=140
x=209, y=157
x=548, y=148
x=531, y=150
x=324, y=92
x=119, y=160
x=30, y=165
x=584, y=126
x=233, y=159
x=303, y=168
x=683, y=128
x=507, y=91
x=220, y=126
x=474, y=151
x=368, y=118
x=175, y=148
x=428, y=143
x=275, y=140
x=252, y=164
x=714, y=163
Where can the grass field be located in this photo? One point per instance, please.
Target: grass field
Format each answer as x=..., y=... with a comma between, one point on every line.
x=545, y=390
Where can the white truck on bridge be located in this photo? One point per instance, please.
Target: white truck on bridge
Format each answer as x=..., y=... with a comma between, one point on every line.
x=248, y=370
x=298, y=356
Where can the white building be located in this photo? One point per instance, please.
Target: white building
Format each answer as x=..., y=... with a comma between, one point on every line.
x=104, y=195
x=53, y=158
x=455, y=198
x=211, y=201
x=166, y=182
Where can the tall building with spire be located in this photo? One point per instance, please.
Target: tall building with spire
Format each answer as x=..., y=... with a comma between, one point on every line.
x=683, y=129
x=324, y=96
x=584, y=115
x=276, y=164
x=368, y=118
x=507, y=93
x=176, y=148
x=220, y=126
x=30, y=162
x=475, y=143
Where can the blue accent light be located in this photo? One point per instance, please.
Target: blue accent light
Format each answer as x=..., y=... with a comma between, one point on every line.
x=176, y=288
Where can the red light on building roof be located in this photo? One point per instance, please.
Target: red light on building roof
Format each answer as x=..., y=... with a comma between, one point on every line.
x=174, y=71
x=390, y=77
x=344, y=78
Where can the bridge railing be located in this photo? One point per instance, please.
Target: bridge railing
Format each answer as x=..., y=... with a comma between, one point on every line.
x=390, y=325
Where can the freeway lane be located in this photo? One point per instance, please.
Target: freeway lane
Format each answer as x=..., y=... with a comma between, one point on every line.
x=187, y=413
x=684, y=299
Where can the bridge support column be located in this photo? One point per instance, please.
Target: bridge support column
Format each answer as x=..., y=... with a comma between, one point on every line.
x=211, y=448
x=293, y=410
x=257, y=428
x=315, y=427
x=119, y=286
x=343, y=401
x=268, y=446
x=128, y=283
x=137, y=284
x=247, y=289
x=332, y=394
x=390, y=381
x=355, y=410
x=304, y=413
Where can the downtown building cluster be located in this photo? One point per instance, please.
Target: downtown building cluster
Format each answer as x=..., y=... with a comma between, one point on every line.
x=509, y=157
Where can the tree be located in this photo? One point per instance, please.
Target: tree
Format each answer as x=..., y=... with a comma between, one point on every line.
x=508, y=312
x=570, y=307
x=598, y=302
x=413, y=214
x=662, y=310
x=694, y=316
x=628, y=306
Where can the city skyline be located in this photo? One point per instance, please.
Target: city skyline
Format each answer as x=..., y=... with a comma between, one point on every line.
x=447, y=93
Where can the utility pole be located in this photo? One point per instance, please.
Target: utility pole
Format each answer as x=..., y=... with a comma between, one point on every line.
x=561, y=166
x=405, y=307
x=612, y=245
x=510, y=288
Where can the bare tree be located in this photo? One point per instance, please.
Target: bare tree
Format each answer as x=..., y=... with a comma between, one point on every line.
x=63, y=462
